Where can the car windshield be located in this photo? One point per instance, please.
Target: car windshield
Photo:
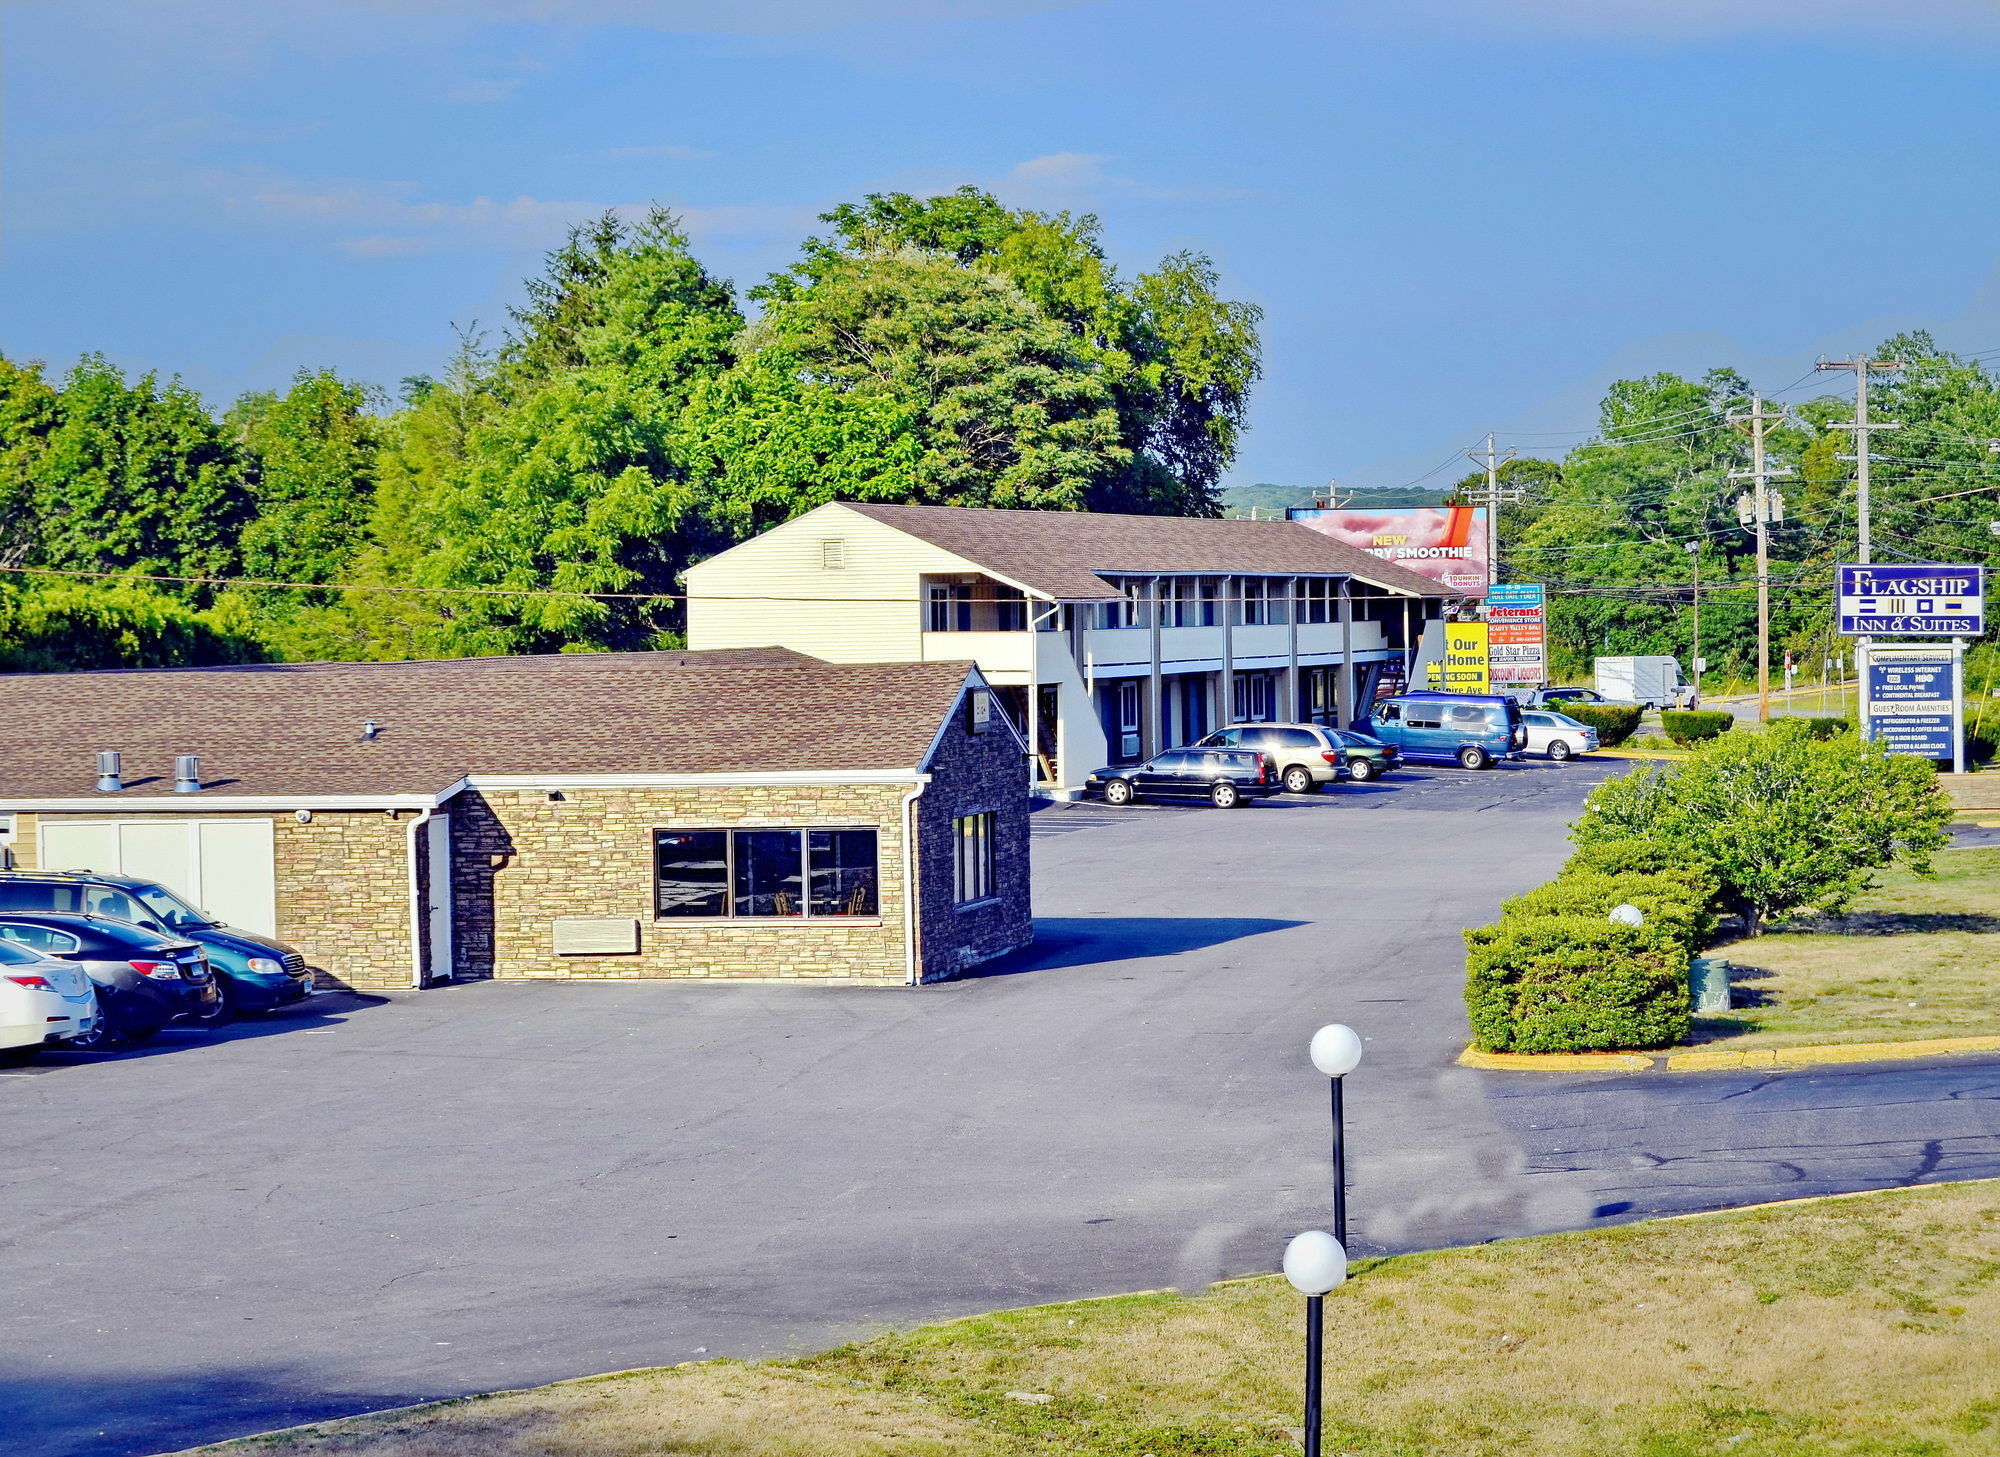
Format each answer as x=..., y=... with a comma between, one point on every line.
x=171, y=909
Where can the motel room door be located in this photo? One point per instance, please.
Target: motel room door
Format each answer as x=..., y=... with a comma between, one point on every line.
x=225, y=867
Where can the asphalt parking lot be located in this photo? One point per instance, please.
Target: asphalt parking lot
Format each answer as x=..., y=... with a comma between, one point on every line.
x=379, y=1201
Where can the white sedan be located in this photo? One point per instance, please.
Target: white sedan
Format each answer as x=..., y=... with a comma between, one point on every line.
x=1557, y=735
x=42, y=1001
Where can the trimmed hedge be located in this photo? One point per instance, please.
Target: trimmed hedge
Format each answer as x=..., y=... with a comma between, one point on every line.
x=1691, y=726
x=1614, y=722
x=1819, y=730
x=1657, y=858
x=1571, y=983
x=1664, y=900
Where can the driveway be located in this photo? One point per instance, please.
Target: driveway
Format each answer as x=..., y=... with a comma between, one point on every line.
x=380, y=1201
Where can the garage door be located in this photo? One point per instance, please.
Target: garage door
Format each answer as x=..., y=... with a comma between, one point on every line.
x=223, y=866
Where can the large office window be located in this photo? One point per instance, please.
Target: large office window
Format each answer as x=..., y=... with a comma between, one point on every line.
x=1256, y=601
x=1317, y=600
x=974, y=862
x=765, y=873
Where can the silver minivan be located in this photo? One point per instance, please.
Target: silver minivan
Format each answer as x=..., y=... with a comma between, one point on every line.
x=1308, y=755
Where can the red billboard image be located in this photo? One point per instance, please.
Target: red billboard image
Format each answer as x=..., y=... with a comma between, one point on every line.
x=1445, y=543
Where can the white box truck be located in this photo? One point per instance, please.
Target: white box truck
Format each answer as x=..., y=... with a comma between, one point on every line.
x=1653, y=682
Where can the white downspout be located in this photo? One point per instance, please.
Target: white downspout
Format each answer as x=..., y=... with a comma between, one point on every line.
x=911, y=909
x=417, y=899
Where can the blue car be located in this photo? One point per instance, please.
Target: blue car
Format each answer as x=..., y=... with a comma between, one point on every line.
x=1473, y=730
x=255, y=973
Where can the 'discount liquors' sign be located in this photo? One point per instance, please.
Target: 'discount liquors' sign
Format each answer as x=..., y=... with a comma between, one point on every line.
x=1919, y=601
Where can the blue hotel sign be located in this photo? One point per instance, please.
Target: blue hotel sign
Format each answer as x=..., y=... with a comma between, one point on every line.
x=1906, y=601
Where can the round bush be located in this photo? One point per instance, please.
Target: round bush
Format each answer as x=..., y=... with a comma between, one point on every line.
x=1614, y=722
x=1570, y=983
x=1674, y=902
x=1693, y=725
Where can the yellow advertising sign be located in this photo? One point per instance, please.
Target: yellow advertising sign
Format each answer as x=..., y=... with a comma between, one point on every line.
x=1465, y=658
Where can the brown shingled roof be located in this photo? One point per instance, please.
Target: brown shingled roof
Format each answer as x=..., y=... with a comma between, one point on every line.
x=1061, y=554
x=295, y=728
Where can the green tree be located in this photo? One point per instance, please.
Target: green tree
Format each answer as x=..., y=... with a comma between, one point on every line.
x=62, y=626
x=1177, y=358
x=311, y=457
x=1781, y=819
x=904, y=377
x=572, y=482
x=137, y=477
x=29, y=411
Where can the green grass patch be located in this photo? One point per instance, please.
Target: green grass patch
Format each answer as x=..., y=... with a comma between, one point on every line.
x=1859, y=1327
x=1912, y=959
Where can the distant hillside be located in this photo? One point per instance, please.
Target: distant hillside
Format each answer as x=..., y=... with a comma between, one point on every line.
x=1270, y=500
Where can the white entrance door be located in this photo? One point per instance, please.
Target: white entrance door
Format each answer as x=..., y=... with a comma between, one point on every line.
x=223, y=866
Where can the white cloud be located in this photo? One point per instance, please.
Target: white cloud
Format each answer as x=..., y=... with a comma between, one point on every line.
x=1073, y=179
x=742, y=17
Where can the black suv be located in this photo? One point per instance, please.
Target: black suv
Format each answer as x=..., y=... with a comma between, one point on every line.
x=1225, y=778
x=144, y=979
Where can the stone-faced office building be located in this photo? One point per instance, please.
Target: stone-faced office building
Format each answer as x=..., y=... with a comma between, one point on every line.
x=730, y=816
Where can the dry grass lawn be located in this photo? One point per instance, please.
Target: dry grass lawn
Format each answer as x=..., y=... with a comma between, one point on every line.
x=1912, y=959
x=1867, y=1327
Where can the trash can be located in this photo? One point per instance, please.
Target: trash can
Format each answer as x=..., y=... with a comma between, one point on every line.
x=1708, y=985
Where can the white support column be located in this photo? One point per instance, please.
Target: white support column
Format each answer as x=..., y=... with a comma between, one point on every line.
x=1225, y=711
x=1292, y=652
x=1153, y=710
x=1346, y=679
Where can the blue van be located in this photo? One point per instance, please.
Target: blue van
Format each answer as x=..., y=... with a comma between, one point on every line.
x=1471, y=729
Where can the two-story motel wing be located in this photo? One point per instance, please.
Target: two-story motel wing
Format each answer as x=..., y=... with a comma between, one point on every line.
x=1111, y=637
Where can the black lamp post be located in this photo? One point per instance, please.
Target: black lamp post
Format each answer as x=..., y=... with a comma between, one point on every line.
x=1336, y=1051
x=1315, y=1263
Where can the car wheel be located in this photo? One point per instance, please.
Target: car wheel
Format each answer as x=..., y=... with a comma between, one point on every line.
x=1473, y=757
x=1362, y=770
x=1559, y=749
x=102, y=1038
x=1224, y=795
x=1117, y=792
x=1299, y=780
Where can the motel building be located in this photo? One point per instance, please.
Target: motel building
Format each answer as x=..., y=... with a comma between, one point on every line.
x=1109, y=637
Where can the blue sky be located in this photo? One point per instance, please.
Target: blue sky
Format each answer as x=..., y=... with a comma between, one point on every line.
x=1460, y=215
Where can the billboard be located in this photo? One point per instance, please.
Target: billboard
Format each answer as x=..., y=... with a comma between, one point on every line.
x=1921, y=601
x=1445, y=543
x=1517, y=629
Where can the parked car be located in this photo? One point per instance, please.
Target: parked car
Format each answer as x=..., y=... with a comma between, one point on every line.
x=144, y=979
x=1226, y=778
x=1473, y=729
x=1307, y=755
x=1367, y=758
x=255, y=973
x=1557, y=735
x=1555, y=698
x=43, y=1002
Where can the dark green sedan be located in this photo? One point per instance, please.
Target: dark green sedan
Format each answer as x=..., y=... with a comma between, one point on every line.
x=1367, y=757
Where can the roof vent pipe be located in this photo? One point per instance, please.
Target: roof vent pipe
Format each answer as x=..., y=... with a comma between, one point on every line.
x=370, y=728
x=110, y=771
x=187, y=774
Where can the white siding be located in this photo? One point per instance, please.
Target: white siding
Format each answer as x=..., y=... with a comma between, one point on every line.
x=775, y=590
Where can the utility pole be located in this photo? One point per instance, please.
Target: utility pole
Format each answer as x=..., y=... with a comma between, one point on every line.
x=1491, y=497
x=1759, y=509
x=1694, y=550
x=1862, y=427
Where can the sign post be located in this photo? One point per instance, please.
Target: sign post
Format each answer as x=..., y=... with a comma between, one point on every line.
x=1516, y=622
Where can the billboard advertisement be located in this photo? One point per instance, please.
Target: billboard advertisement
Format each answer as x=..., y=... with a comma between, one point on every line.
x=1517, y=631
x=1445, y=543
x=1914, y=699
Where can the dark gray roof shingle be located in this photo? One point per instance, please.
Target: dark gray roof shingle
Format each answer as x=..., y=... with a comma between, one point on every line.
x=295, y=728
x=1062, y=553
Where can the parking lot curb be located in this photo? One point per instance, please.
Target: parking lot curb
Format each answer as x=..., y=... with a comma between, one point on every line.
x=1636, y=754
x=1724, y=1059
x=1556, y=1062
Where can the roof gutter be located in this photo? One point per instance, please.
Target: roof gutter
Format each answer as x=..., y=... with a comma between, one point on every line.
x=415, y=840
x=912, y=917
